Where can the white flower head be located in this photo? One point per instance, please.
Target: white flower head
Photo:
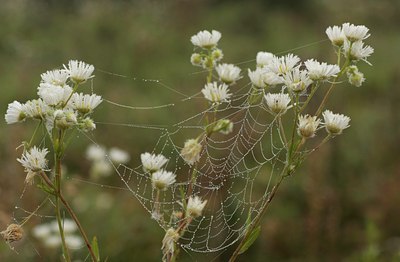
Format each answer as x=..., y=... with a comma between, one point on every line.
x=78, y=71
x=87, y=124
x=74, y=242
x=119, y=156
x=36, y=109
x=296, y=80
x=15, y=113
x=54, y=95
x=264, y=58
x=355, y=32
x=55, y=77
x=335, y=123
x=34, y=161
x=261, y=78
x=64, y=119
x=282, y=65
x=195, y=207
x=152, y=162
x=205, y=39
x=336, y=35
x=42, y=231
x=217, y=54
x=68, y=225
x=85, y=103
x=228, y=73
x=101, y=168
x=307, y=126
x=357, y=51
x=355, y=77
x=52, y=241
x=216, y=93
x=95, y=152
x=277, y=103
x=162, y=179
x=320, y=71
x=191, y=151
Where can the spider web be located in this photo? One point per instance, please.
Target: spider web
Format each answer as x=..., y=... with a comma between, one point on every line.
x=234, y=173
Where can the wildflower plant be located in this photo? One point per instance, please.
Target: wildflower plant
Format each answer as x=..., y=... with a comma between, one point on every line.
x=256, y=129
x=59, y=112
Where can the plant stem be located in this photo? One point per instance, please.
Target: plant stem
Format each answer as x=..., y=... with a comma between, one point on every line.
x=57, y=207
x=257, y=219
x=72, y=213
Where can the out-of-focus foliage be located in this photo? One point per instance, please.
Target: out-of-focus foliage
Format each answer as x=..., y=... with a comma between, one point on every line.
x=342, y=205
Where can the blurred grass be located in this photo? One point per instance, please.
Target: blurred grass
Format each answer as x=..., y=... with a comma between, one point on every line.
x=327, y=210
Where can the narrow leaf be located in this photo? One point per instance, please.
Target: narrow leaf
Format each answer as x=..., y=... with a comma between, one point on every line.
x=250, y=240
x=95, y=247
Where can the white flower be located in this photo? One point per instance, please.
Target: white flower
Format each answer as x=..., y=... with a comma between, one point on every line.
x=95, y=152
x=79, y=71
x=335, y=123
x=54, y=95
x=119, y=156
x=282, y=65
x=336, y=35
x=216, y=93
x=84, y=103
x=205, y=39
x=52, y=241
x=41, y=231
x=74, y=242
x=262, y=78
x=278, y=103
x=357, y=50
x=307, y=126
x=152, y=163
x=36, y=108
x=320, y=71
x=101, y=168
x=297, y=80
x=15, y=113
x=355, y=32
x=264, y=58
x=55, y=77
x=356, y=78
x=191, y=151
x=69, y=226
x=34, y=161
x=162, y=179
x=195, y=207
x=228, y=73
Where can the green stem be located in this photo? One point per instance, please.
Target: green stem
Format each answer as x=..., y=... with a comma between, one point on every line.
x=310, y=96
x=34, y=134
x=281, y=131
x=257, y=219
x=71, y=212
x=57, y=207
x=73, y=91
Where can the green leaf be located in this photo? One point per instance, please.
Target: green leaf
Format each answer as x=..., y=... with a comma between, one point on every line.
x=95, y=247
x=250, y=240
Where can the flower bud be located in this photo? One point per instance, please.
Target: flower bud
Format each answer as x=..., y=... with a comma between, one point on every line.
x=191, y=151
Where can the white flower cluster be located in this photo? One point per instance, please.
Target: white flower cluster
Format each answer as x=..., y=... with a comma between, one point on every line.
x=58, y=105
x=48, y=234
x=349, y=39
x=100, y=158
x=160, y=178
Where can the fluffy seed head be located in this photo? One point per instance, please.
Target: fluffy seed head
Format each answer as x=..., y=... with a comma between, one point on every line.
x=191, y=151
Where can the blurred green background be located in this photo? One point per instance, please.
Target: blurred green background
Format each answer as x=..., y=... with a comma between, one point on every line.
x=343, y=205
